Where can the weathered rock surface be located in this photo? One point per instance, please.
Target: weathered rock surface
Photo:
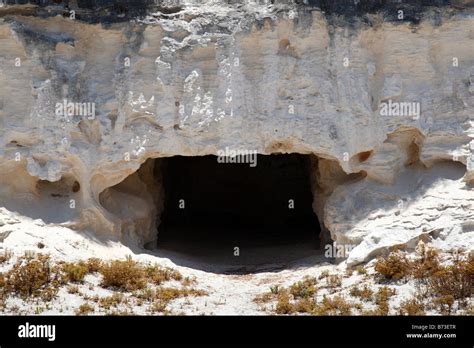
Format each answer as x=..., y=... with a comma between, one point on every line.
x=271, y=78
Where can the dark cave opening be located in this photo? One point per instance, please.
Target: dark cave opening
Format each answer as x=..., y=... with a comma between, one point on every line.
x=236, y=213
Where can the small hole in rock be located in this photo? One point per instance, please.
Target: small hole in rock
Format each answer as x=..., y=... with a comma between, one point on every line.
x=76, y=187
x=284, y=45
x=364, y=156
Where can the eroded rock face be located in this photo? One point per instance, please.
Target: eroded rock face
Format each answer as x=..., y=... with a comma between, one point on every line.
x=275, y=79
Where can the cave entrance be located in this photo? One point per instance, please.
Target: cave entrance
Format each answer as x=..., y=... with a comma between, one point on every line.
x=238, y=214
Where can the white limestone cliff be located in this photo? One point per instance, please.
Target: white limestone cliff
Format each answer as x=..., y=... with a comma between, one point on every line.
x=272, y=79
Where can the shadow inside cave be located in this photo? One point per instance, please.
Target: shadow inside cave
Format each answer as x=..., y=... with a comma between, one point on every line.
x=234, y=217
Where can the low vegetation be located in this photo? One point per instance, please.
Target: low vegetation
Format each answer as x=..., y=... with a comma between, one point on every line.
x=301, y=297
x=84, y=309
x=336, y=305
x=441, y=287
x=382, y=298
x=364, y=293
x=126, y=275
x=441, y=284
x=159, y=275
x=412, y=307
x=394, y=267
x=114, y=300
x=36, y=276
x=75, y=272
x=304, y=289
x=32, y=276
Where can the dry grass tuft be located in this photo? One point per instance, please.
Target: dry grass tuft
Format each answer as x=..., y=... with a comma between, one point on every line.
x=412, y=307
x=111, y=301
x=32, y=276
x=35, y=275
x=382, y=298
x=426, y=265
x=365, y=294
x=85, y=309
x=75, y=272
x=93, y=265
x=129, y=275
x=304, y=289
x=125, y=275
x=393, y=267
x=336, y=305
x=284, y=306
x=72, y=289
x=443, y=285
x=158, y=275
x=264, y=298
x=305, y=305
x=301, y=298
x=455, y=279
x=159, y=307
x=168, y=294
x=324, y=274
x=334, y=281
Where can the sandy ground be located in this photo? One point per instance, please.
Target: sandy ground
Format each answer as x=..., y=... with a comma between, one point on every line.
x=230, y=290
